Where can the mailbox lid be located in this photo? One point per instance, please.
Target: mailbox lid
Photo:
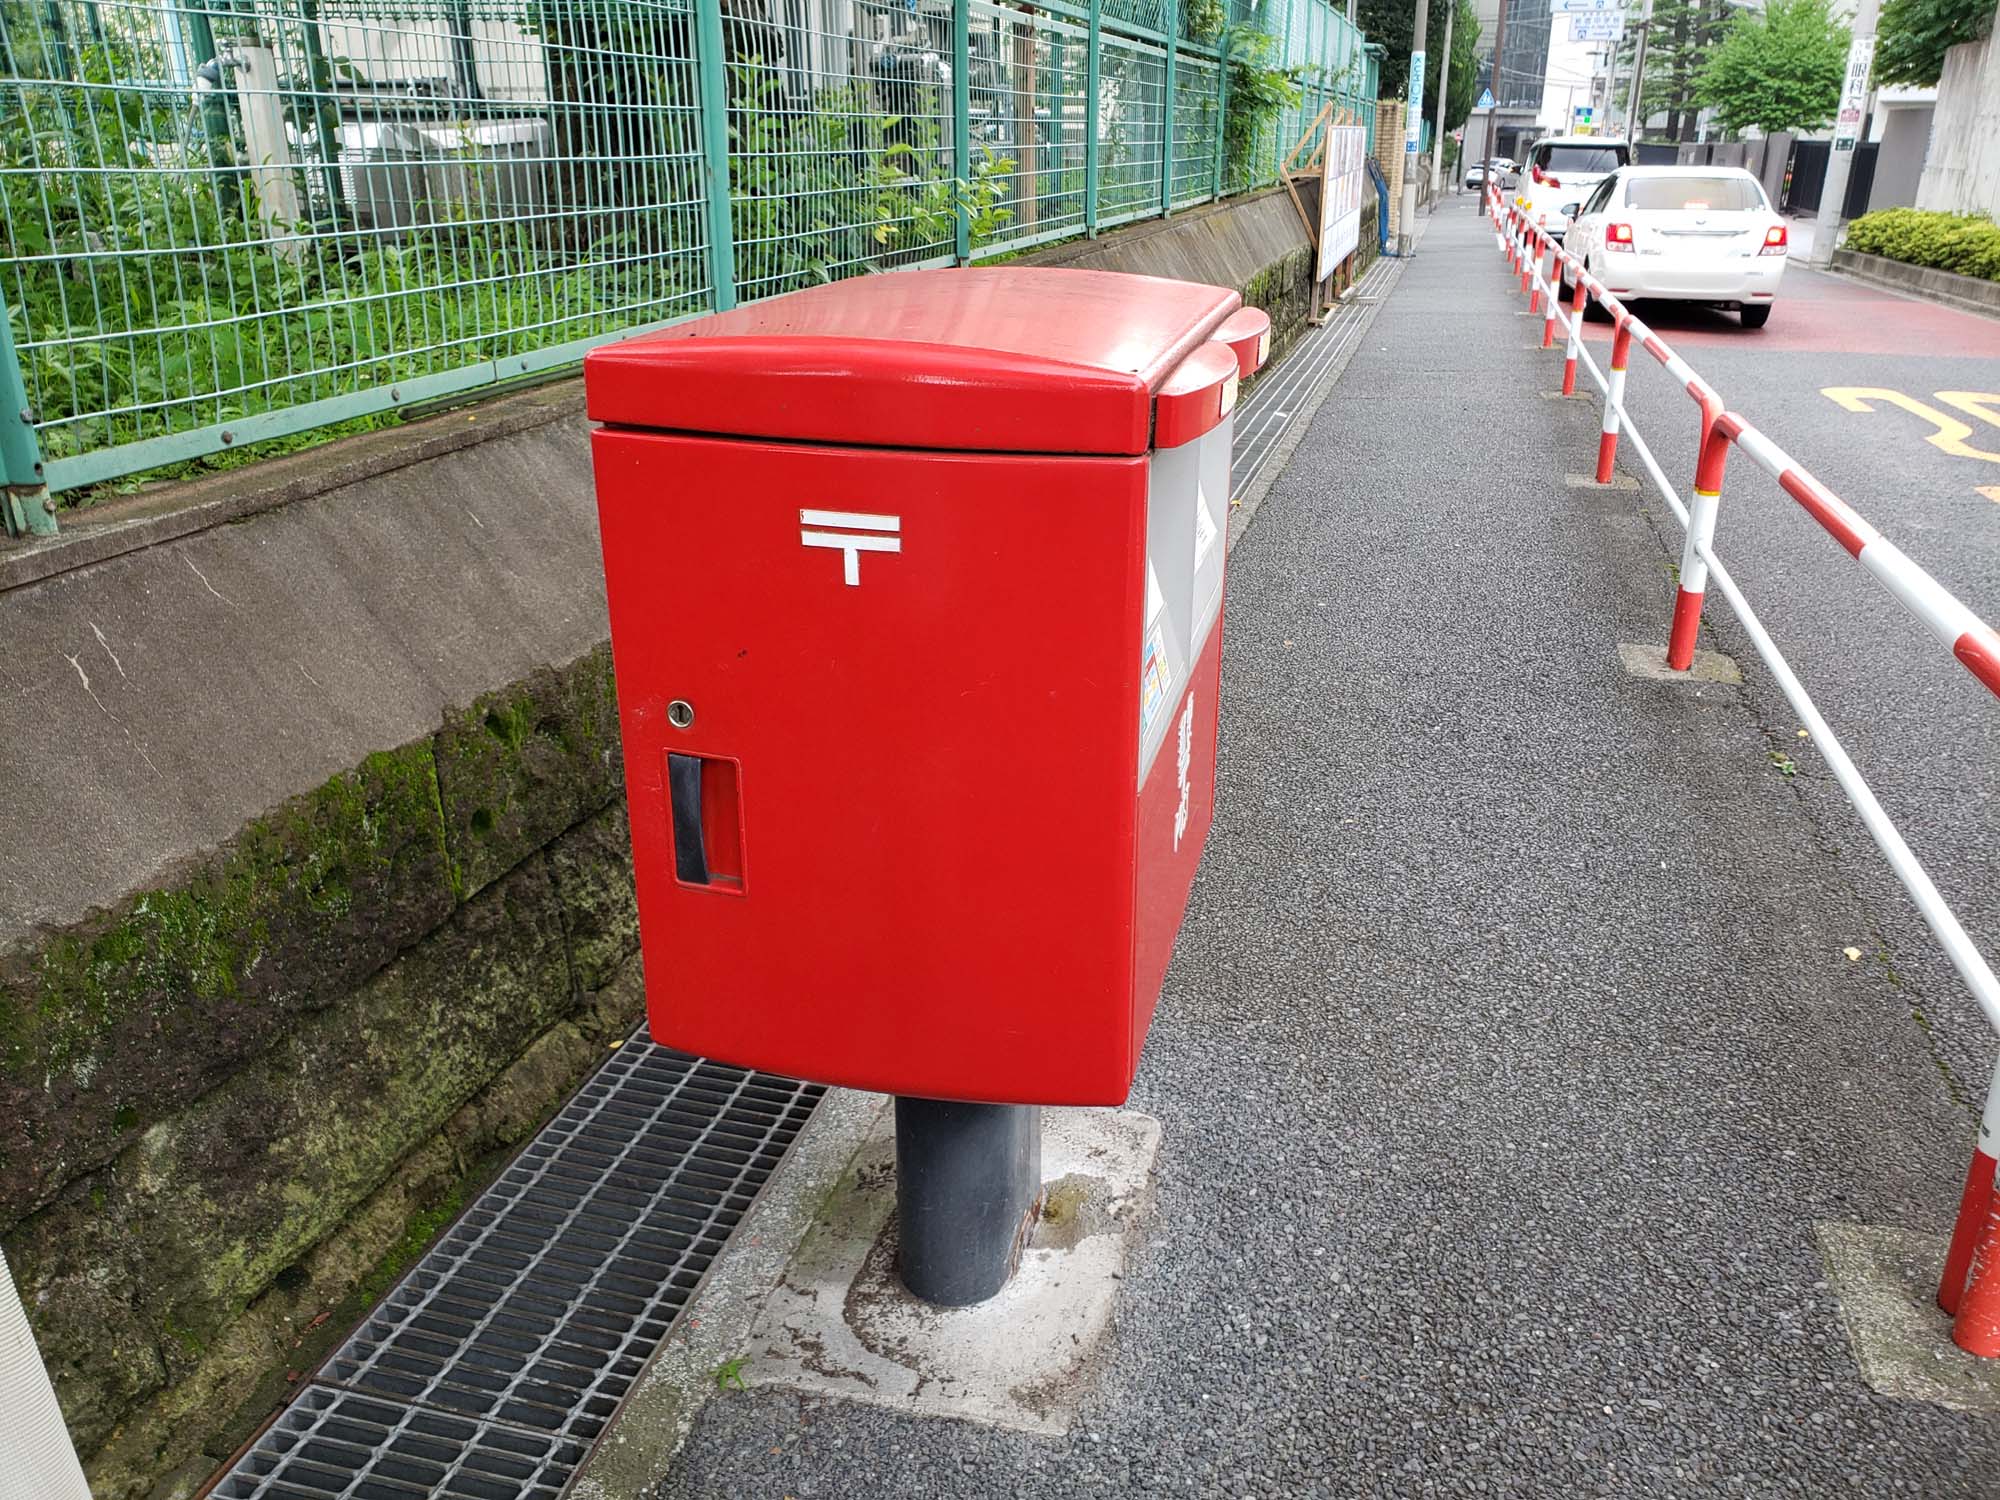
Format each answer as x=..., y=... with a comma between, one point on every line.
x=1005, y=359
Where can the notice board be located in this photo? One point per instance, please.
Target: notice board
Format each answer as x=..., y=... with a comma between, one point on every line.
x=1344, y=178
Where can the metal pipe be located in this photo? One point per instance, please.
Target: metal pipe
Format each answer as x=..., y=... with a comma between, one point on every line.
x=710, y=64
x=968, y=1190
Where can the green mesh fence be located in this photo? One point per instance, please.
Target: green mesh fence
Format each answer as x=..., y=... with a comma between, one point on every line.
x=230, y=220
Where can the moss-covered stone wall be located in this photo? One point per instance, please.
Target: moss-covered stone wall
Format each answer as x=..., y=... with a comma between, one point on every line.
x=242, y=1098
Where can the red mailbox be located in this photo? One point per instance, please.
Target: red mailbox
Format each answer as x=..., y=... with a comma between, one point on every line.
x=915, y=587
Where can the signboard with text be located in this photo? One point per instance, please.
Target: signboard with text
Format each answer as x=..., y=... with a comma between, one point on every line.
x=1854, y=93
x=1597, y=26
x=1344, y=179
x=1413, y=114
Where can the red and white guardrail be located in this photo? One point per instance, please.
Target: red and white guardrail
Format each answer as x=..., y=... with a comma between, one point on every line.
x=1969, y=1288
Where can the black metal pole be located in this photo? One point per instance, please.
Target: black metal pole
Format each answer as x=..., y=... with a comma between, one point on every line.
x=968, y=1186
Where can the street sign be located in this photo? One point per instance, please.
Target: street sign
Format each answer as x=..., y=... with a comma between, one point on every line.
x=1485, y=99
x=1854, y=93
x=1597, y=26
x=1413, y=116
x=1586, y=7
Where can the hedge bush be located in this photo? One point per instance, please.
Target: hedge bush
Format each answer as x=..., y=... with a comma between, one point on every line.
x=1967, y=244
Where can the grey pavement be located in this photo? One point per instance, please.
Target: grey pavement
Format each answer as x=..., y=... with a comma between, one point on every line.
x=1510, y=1053
x=1916, y=723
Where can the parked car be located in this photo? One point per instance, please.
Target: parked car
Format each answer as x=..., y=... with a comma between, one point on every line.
x=1563, y=169
x=1475, y=174
x=1692, y=234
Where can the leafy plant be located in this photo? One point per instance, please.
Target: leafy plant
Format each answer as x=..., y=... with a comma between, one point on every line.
x=1203, y=20
x=1964, y=243
x=1780, y=70
x=155, y=293
x=1259, y=91
x=1916, y=34
x=835, y=186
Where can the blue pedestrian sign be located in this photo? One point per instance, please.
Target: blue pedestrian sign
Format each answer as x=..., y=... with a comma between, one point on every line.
x=1485, y=98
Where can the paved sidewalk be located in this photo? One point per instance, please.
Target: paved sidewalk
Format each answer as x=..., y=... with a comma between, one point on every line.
x=1510, y=1055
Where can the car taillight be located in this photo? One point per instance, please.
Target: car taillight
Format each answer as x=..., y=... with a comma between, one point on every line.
x=1618, y=236
x=1776, y=240
x=1536, y=174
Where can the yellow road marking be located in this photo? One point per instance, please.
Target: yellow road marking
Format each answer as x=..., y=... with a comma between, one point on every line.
x=1951, y=435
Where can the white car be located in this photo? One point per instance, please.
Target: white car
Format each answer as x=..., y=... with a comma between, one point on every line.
x=1692, y=234
x=1564, y=169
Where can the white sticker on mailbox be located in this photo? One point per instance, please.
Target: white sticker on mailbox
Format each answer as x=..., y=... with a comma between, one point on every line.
x=1155, y=600
x=1204, y=527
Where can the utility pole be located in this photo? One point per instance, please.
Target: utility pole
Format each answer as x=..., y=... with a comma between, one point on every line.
x=1444, y=95
x=1846, y=134
x=1413, y=130
x=1493, y=115
x=1634, y=117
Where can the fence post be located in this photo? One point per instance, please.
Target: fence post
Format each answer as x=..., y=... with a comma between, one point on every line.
x=27, y=510
x=1579, y=300
x=1700, y=536
x=1173, y=19
x=961, y=125
x=1221, y=146
x=1614, y=399
x=1093, y=66
x=1974, y=1202
x=713, y=73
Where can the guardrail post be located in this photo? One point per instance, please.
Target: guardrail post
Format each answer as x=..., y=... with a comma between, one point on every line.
x=1549, y=320
x=1700, y=535
x=1614, y=400
x=712, y=72
x=1173, y=22
x=961, y=128
x=1093, y=69
x=26, y=511
x=1578, y=302
x=1974, y=1202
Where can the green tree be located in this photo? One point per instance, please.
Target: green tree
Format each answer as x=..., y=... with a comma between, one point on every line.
x=1464, y=70
x=1777, y=71
x=1682, y=35
x=1391, y=23
x=1915, y=34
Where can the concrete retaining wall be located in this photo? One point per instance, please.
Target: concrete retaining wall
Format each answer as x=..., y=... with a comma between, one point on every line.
x=314, y=886
x=1962, y=171
x=1924, y=281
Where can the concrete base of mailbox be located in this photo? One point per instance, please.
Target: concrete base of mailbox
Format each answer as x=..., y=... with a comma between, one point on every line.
x=841, y=1324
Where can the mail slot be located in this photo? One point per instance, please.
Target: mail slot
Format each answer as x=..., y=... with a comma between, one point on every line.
x=916, y=588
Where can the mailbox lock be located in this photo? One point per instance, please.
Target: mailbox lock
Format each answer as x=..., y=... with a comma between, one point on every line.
x=680, y=713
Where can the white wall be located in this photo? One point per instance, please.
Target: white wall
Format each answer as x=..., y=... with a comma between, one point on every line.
x=1962, y=172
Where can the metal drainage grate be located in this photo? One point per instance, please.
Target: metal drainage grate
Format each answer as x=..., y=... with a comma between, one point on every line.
x=493, y=1365
x=1274, y=404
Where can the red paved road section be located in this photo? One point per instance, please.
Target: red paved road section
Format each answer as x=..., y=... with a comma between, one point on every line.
x=1817, y=313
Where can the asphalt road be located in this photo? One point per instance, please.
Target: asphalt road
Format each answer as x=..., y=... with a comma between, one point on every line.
x=1923, y=731
x=1510, y=1053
